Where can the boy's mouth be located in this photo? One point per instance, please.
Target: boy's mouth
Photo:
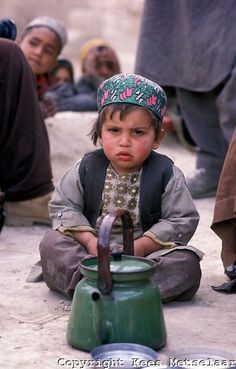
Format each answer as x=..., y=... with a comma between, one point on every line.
x=123, y=155
x=34, y=61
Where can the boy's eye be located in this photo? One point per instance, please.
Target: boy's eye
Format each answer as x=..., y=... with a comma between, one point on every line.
x=138, y=132
x=33, y=43
x=48, y=51
x=113, y=130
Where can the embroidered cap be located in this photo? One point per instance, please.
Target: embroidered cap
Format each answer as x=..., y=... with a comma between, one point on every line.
x=132, y=89
x=55, y=25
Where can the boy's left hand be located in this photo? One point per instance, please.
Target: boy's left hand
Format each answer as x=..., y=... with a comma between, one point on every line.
x=144, y=246
x=139, y=247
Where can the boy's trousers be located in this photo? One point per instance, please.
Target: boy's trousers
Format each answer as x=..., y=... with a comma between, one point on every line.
x=177, y=274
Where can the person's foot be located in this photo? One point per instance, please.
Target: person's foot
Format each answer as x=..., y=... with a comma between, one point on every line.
x=230, y=271
x=202, y=183
x=29, y=212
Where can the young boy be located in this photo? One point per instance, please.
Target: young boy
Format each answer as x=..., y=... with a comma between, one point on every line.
x=42, y=41
x=126, y=173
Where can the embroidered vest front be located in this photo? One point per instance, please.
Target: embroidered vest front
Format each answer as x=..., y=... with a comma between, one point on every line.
x=156, y=173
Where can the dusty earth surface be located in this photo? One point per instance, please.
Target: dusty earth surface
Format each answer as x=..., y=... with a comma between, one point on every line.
x=33, y=320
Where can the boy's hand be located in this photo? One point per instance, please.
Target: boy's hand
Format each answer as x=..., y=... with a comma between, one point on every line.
x=144, y=246
x=139, y=247
x=92, y=246
x=88, y=240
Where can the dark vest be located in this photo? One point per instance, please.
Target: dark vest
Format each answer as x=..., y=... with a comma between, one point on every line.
x=157, y=171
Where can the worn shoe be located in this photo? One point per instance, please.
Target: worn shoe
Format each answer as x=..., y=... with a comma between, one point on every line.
x=29, y=212
x=230, y=271
x=202, y=183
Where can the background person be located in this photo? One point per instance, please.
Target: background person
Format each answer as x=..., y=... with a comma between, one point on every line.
x=42, y=41
x=224, y=218
x=99, y=61
x=25, y=169
x=190, y=46
x=63, y=71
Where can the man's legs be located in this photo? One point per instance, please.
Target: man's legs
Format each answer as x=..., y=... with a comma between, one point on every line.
x=200, y=114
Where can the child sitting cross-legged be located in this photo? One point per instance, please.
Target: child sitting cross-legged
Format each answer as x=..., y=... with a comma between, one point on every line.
x=125, y=173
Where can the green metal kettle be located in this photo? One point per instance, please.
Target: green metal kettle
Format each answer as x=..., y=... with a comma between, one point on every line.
x=116, y=302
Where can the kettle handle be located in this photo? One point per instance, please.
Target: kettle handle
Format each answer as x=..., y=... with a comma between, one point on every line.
x=104, y=282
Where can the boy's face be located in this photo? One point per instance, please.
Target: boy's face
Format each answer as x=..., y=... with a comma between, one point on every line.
x=62, y=75
x=101, y=62
x=41, y=47
x=128, y=142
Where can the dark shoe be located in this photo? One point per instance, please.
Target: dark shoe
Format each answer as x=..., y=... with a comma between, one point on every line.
x=230, y=271
x=36, y=274
x=29, y=212
x=202, y=183
x=227, y=287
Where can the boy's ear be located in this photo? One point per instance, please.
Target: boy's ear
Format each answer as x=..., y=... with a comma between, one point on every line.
x=159, y=139
x=100, y=141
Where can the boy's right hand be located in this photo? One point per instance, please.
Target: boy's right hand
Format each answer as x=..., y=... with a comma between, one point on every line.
x=88, y=240
x=92, y=247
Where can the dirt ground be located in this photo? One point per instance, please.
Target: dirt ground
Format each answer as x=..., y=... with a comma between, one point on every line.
x=34, y=320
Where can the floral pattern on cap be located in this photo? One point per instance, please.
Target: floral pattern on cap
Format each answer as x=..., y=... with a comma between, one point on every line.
x=132, y=89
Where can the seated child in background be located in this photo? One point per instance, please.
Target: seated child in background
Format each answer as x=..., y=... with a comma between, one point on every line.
x=42, y=41
x=125, y=173
x=63, y=71
x=99, y=62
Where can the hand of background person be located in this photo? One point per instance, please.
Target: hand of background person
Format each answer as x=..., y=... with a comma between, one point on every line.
x=48, y=107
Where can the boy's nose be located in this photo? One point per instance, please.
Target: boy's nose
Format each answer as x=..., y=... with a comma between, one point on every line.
x=125, y=140
x=104, y=72
x=38, y=50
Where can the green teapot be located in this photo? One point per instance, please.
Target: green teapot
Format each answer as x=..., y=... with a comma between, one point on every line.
x=115, y=302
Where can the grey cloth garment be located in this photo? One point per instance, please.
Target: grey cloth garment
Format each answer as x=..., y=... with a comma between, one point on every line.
x=177, y=275
x=188, y=44
x=60, y=257
x=179, y=217
x=171, y=221
x=200, y=113
x=81, y=96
